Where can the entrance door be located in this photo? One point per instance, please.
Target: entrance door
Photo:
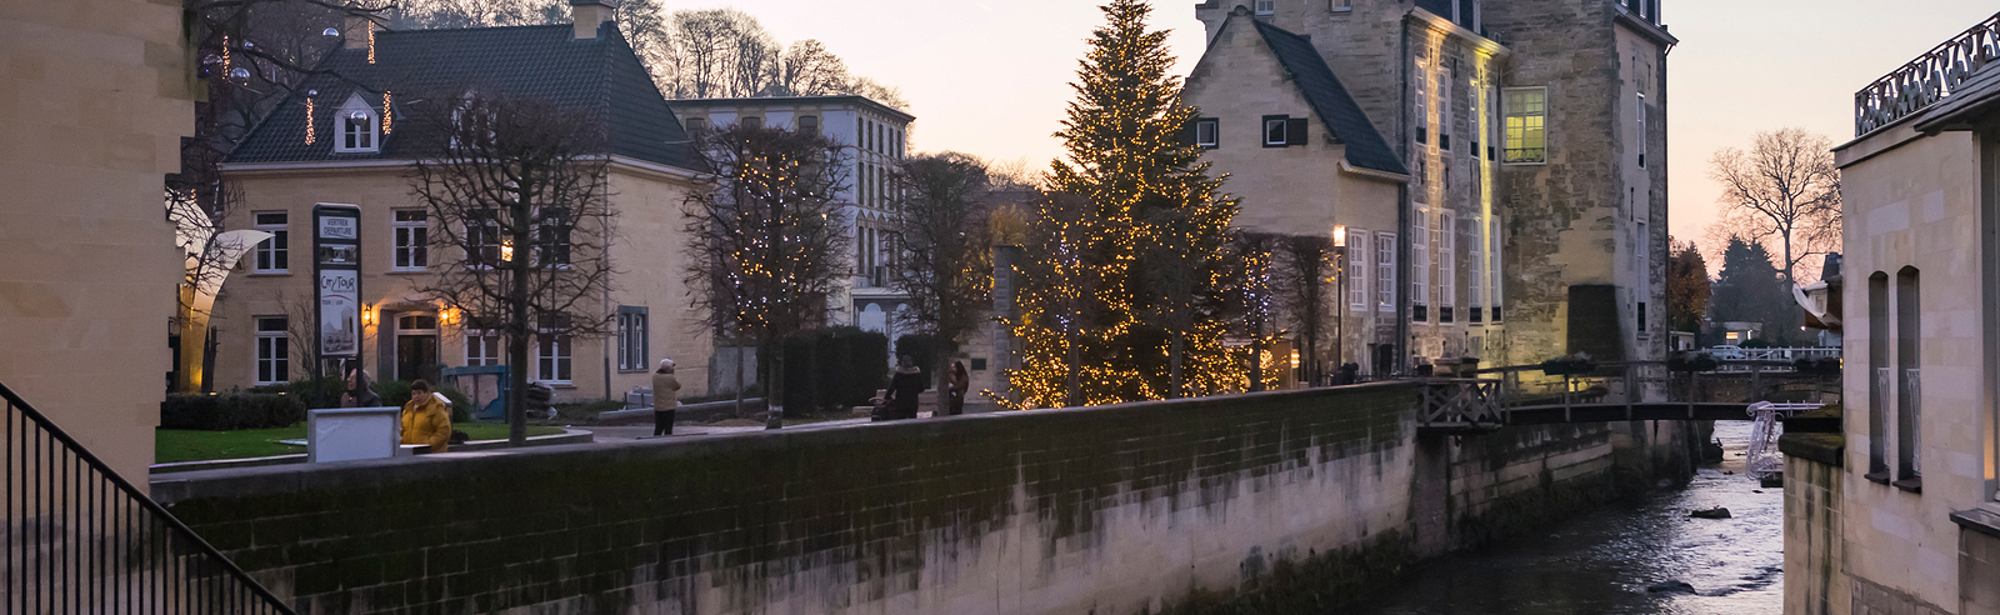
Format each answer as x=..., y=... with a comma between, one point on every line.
x=416, y=347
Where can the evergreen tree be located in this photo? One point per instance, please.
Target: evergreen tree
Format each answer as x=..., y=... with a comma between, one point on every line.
x=1119, y=293
x=1751, y=289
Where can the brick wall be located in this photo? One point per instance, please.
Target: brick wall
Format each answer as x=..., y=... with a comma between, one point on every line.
x=1112, y=510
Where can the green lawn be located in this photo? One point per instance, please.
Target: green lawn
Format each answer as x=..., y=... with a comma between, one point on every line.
x=175, y=445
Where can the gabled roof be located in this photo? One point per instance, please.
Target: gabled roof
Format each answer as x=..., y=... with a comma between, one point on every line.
x=600, y=75
x=1330, y=101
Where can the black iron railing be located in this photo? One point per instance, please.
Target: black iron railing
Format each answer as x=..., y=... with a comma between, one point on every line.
x=81, y=539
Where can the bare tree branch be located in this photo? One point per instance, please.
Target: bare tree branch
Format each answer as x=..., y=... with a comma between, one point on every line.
x=1784, y=190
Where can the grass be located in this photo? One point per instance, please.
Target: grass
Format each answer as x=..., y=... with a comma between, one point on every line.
x=176, y=445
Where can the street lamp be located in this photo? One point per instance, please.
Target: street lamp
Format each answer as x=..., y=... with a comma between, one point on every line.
x=1339, y=296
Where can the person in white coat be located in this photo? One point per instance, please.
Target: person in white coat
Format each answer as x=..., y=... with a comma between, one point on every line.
x=666, y=397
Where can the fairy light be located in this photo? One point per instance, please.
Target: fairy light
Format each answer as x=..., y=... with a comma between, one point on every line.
x=371, y=43
x=311, y=136
x=225, y=54
x=388, y=123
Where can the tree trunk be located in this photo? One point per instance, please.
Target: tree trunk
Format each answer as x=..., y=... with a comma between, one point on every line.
x=1174, y=365
x=774, y=386
x=739, y=378
x=520, y=330
x=1074, y=383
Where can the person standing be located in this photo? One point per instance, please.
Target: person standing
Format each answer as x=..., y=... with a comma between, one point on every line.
x=666, y=397
x=359, y=393
x=905, y=388
x=427, y=418
x=958, y=382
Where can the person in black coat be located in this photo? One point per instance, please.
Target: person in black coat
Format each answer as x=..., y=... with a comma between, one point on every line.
x=904, y=389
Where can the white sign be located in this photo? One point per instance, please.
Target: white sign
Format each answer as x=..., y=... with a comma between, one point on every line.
x=339, y=313
x=337, y=227
x=342, y=434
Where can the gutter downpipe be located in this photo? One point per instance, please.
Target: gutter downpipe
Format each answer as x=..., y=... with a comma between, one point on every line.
x=1403, y=214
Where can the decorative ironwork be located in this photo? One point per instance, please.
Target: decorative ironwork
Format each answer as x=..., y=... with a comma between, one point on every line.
x=80, y=539
x=1462, y=404
x=1928, y=79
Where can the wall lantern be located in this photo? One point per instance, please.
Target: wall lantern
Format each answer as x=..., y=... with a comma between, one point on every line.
x=1340, y=236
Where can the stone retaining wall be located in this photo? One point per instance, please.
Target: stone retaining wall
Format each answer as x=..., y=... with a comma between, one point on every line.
x=1113, y=510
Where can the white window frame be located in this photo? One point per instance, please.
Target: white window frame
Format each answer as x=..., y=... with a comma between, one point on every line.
x=1420, y=258
x=555, y=354
x=1267, y=7
x=1283, y=131
x=483, y=232
x=272, y=255
x=1447, y=233
x=1213, y=127
x=273, y=362
x=1359, y=247
x=544, y=237
x=1475, y=275
x=634, y=341
x=409, y=240
x=1385, y=272
x=357, y=128
x=1533, y=122
x=1642, y=130
x=1340, y=5
x=484, y=347
x=1497, y=271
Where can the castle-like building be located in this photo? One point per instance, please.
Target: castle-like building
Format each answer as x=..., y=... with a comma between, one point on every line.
x=1495, y=171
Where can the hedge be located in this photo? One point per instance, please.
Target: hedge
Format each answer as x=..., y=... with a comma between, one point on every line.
x=230, y=411
x=831, y=369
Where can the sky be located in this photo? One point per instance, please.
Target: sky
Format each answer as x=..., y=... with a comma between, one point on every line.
x=991, y=77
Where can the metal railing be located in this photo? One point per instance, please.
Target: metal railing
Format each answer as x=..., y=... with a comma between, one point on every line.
x=1495, y=396
x=1931, y=77
x=81, y=539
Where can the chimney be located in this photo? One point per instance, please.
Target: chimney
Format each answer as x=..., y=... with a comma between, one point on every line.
x=589, y=15
x=357, y=31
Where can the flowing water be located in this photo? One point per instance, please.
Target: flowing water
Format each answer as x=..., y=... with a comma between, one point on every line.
x=1623, y=559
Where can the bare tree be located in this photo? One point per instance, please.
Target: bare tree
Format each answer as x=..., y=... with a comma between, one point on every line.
x=1786, y=190
x=808, y=69
x=765, y=239
x=1301, y=280
x=717, y=53
x=946, y=258
x=517, y=199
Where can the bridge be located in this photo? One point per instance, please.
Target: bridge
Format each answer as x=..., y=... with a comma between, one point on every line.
x=1488, y=399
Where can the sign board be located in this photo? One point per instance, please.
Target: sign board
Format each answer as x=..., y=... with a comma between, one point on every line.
x=337, y=268
x=345, y=434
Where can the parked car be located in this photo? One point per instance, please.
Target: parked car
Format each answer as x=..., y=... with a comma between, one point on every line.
x=1727, y=352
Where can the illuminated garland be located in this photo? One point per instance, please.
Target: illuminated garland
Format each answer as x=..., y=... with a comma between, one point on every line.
x=387, y=123
x=310, y=135
x=1082, y=296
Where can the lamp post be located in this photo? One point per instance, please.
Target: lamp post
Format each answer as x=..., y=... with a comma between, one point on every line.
x=1339, y=297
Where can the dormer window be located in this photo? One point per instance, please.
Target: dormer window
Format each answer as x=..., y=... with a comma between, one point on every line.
x=1266, y=7
x=357, y=128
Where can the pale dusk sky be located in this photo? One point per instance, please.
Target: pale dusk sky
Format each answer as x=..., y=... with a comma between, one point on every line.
x=991, y=77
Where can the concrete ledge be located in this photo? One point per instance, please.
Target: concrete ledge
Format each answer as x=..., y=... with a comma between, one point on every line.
x=572, y=436
x=702, y=412
x=1824, y=448
x=1979, y=520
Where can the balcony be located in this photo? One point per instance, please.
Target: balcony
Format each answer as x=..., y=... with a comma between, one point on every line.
x=1930, y=78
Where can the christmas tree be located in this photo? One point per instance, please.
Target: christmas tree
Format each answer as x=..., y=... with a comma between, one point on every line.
x=1124, y=257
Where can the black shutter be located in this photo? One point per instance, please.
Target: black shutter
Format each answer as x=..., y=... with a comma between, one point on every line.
x=1295, y=131
x=1187, y=136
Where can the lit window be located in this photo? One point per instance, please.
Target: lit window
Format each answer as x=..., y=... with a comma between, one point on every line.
x=1266, y=7
x=274, y=363
x=274, y=254
x=412, y=240
x=1527, y=112
x=632, y=340
x=1205, y=132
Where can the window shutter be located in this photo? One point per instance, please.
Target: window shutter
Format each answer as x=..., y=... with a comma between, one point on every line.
x=1295, y=131
x=1187, y=135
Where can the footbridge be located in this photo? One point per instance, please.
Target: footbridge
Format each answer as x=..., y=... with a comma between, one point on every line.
x=1488, y=399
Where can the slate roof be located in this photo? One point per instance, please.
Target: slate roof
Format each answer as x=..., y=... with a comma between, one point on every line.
x=1329, y=99
x=600, y=75
x=1977, y=97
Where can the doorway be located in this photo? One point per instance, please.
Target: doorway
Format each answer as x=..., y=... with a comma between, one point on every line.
x=416, y=346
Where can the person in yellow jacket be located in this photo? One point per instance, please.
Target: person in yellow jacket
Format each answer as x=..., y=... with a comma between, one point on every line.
x=427, y=418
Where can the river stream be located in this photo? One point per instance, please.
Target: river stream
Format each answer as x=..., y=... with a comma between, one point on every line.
x=1625, y=558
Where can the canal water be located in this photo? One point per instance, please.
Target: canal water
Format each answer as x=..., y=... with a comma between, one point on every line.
x=1623, y=559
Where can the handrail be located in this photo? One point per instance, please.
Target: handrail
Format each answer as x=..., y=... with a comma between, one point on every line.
x=1929, y=78
x=72, y=546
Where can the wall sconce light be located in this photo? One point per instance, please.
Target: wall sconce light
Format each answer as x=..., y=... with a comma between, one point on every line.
x=1340, y=236
x=449, y=316
x=367, y=314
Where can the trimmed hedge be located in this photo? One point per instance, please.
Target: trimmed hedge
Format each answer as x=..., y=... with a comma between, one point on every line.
x=230, y=411
x=831, y=369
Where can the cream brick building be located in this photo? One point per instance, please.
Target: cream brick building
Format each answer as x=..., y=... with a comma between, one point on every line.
x=1907, y=518
x=96, y=107
x=336, y=142
x=1530, y=140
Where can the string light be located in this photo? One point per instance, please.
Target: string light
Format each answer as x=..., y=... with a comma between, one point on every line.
x=371, y=42
x=387, y=123
x=310, y=135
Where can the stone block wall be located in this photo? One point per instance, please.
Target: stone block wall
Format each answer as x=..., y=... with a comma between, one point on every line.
x=1816, y=581
x=1112, y=510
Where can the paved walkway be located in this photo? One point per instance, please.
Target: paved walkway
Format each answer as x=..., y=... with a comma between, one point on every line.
x=608, y=433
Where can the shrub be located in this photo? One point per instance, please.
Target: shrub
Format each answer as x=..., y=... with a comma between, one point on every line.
x=230, y=411
x=923, y=349
x=833, y=368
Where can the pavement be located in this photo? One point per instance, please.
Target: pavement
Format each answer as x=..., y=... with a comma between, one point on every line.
x=607, y=433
